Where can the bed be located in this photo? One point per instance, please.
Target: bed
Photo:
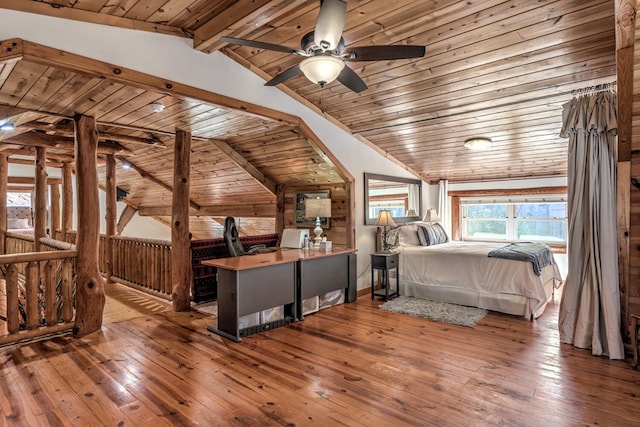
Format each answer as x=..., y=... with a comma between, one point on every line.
x=19, y=219
x=433, y=267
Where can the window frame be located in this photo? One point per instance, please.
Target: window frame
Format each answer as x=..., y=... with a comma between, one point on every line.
x=538, y=192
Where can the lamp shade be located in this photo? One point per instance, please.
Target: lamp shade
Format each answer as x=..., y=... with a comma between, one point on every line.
x=314, y=208
x=431, y=216
x=411, y=212
x=385, y=219
x=322, y=69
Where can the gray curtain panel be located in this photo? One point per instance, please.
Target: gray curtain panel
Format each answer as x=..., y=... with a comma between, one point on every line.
x=590, y=307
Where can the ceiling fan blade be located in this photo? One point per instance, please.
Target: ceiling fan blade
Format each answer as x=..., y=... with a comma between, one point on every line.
x=284, y=76
x=330, y=24
x=350, y=79
x=260, y=45
x=381, y=53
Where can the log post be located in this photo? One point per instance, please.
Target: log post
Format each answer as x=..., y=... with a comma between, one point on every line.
x=90, y=298
x=67, y=200
x=180, y=236
x=111, y=214
x=54, y=191
x=40, y=215
x=4, y=179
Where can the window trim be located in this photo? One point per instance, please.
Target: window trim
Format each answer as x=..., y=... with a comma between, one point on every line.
x=456, y=196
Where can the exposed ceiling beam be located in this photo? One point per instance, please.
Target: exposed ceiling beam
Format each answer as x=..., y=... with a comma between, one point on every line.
x=59, y=10
x=39, y=54
x=38, y=139
x=67, y=131
x=243, y=211
x=126, y=215
x=146, y=175
x=31, y=180
x=7, y=112
x=243, y=163
x=241, y=14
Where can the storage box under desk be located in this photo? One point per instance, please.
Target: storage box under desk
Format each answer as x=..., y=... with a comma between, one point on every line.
x=319, y=275
x=242, y=292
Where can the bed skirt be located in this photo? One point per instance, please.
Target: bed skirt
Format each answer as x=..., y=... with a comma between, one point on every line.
x=504, y=303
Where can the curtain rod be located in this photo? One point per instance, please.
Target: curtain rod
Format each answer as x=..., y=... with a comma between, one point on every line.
x=594, y=89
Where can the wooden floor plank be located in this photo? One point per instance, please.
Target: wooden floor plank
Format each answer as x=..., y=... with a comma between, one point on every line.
x=352, y=365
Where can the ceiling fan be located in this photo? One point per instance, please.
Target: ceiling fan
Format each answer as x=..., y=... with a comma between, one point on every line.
x=325, y=53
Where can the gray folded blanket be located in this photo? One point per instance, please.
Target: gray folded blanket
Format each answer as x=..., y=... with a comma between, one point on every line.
x=538, y=254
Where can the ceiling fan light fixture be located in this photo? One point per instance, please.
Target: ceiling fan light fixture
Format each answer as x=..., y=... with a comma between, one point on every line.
x=321, y=69
x=478, y=143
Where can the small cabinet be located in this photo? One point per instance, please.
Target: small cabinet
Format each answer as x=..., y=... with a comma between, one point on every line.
x=385, y=262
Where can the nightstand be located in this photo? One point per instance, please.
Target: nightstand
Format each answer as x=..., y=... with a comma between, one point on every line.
x=385, y=262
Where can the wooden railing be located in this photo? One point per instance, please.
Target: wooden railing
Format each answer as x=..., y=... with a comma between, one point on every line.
x=144, y=264
x=39, y=288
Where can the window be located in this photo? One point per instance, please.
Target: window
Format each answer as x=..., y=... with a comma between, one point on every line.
x=19, y=198
x=543, y=219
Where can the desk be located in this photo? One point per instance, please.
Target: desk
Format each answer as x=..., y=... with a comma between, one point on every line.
x=252, y=283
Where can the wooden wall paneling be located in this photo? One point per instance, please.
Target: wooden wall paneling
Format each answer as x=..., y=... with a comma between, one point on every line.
x=350, y=213
x=625, y=26
x=4, y=175
x=280, y=210
x=111, y=214
x=67, y=199
x=180, y=238
x=90, y=297
x=338, y=232
x=40, y=212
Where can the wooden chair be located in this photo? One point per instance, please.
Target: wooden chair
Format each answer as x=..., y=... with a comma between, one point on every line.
x=635, y=325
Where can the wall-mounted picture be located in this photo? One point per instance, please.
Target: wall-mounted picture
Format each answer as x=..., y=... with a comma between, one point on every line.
x=300, y=220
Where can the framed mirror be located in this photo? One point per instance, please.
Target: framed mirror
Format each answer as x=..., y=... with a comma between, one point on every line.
x=402, y=196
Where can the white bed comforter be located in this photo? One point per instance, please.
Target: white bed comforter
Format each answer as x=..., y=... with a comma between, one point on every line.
x=466, y=266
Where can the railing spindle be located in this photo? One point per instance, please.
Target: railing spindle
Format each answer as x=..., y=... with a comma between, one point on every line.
x=51, y=313
x=31, y=286
x=13, y=321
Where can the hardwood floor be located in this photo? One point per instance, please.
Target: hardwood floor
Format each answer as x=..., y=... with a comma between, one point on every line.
x=348, y=365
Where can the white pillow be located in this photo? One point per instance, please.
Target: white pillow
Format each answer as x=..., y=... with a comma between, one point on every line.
x=17, y=223
x=408, y=235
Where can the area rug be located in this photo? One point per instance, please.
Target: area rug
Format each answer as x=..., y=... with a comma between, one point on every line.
x=435, y=310
x=206, y=308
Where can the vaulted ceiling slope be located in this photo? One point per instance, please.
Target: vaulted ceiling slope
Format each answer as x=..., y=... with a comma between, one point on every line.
x=240, y=151
x=493, y=68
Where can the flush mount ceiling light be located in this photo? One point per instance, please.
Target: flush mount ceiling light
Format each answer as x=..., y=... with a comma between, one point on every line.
x=156, y=107
x=7, y=126
x=322, y=69
x=478, y=143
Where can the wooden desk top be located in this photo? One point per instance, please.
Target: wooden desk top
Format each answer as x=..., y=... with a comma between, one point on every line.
x=282, y=256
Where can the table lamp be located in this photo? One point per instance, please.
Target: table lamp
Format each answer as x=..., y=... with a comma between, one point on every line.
x=317, y=208
x=385, y=220
x=431, y=216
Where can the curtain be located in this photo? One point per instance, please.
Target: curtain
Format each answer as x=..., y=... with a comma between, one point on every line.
x=590, y=306
x=414, y=198
x=443, y=205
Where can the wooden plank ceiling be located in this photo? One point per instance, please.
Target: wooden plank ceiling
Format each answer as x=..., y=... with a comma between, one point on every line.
x=493, y=68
